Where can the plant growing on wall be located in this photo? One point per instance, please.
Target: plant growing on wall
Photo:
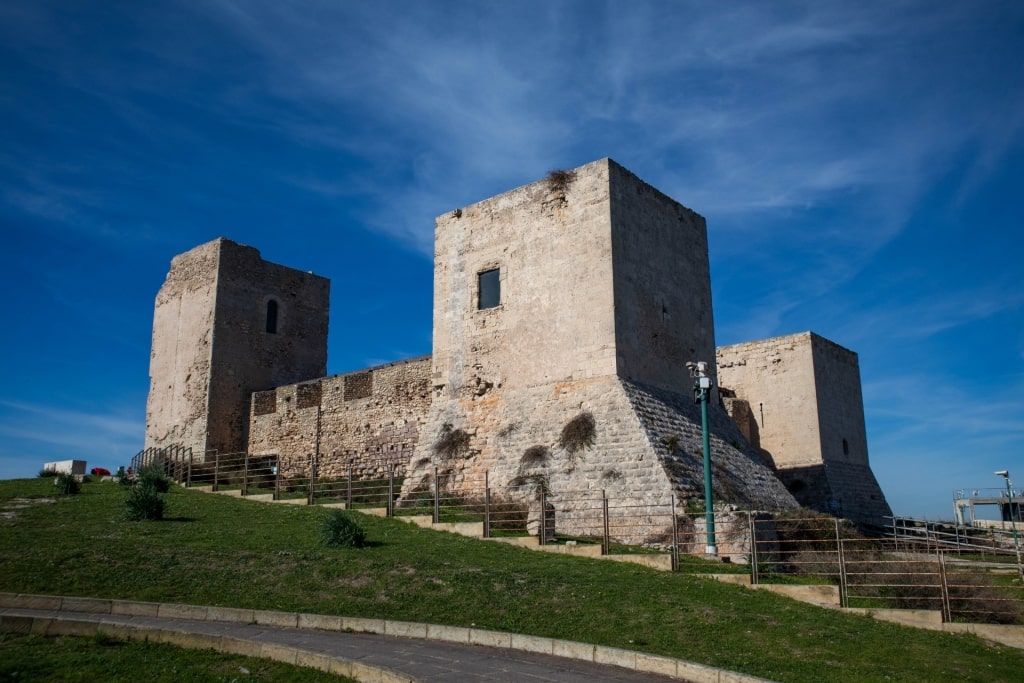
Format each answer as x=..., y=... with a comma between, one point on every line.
x=537, y=484
x=452, y=443
x=534, y=456
x=577, y=435
x=671, y=442
x=558, y=181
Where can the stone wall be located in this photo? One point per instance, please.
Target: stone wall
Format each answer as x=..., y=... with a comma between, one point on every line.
x=179, y=362
x=368, y=420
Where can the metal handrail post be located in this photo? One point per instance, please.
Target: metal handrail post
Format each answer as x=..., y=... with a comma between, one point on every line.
x=542, y=528
x=391, y=490
x=754, y=574
x=675, y=536
x=606, y=541
x=348, y=498
x=487, y=505
x=841, y=556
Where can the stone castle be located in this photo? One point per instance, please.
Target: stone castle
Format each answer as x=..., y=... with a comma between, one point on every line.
x=564, y=314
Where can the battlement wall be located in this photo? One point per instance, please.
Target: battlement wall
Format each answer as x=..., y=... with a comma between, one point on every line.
x=369, y=420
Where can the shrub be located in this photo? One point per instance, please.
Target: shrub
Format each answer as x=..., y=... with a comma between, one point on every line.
x=47, y=472
x=66, y=484
x=452, y=442
x=143, y=502
x=577, y=434
x=534, y=456
x=339, y=530
x=154, y=477
x=559, y=180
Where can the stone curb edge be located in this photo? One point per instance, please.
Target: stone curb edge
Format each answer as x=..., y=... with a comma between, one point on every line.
x=637, y=661
x=69, y=626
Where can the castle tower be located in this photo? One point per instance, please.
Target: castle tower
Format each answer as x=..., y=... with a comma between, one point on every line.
x=227, y=323
x=798, y=400
x=579, y=296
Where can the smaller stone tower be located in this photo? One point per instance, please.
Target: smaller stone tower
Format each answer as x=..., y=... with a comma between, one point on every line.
x=226, y=324
x=798, y=401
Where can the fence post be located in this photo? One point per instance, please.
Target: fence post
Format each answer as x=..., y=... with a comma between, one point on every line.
x=277, y=477
x=437, y=502
x=216, y=470
x=606, y=543
x=312, y=479
x=843, y=586
x=391, y=490
x=675, y=535
x=542, y=528
x=348, y=496
x=487, y=505
x=752, y=524
x=245, y=475
x=947, y=610
x=188, y=475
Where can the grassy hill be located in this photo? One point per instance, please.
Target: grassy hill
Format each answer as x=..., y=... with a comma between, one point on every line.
x=218, y=550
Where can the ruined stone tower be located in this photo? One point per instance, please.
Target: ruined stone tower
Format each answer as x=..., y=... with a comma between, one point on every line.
x=798, y=401
x=578, y=297
x=226, y=324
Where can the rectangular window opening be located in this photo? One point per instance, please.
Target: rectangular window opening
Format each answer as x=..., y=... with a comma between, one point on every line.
x=489, y=285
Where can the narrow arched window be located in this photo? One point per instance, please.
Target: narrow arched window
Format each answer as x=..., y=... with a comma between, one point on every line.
x=271, y=317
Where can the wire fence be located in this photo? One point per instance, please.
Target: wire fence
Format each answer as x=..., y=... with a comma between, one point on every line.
x=966, y=574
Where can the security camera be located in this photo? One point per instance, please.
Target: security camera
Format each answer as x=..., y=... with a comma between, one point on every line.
x=690, y=365
x=1003, y=473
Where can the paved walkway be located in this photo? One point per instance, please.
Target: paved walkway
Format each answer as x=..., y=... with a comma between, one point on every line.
x=368, y=657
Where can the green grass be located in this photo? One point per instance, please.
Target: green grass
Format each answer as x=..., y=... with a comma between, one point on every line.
x=27, y=658
x=219, y=550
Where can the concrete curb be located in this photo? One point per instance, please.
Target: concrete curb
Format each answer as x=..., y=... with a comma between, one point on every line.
x=69, y=626
x=599, y=654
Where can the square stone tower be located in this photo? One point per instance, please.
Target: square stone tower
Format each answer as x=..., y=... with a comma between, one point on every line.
x=587, y=273
x=798, y=401
x=227, y=323
x=571, y=306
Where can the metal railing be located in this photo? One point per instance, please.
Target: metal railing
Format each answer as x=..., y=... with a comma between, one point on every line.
x=965, y=573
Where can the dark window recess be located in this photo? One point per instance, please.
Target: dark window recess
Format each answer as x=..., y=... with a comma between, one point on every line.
x=846, y=447
x=271, y=317
x=489, y=283
x=307, y=395
x=264, y=402
x=358, y=385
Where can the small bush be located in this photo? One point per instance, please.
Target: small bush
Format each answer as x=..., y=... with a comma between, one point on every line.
x=143, y=503
x=578, y=433
x=47, y=472
x=154, y=477
x=534, y=456
x=559, y=180
x=339, y=530
x=452, y=443
x=66, y=484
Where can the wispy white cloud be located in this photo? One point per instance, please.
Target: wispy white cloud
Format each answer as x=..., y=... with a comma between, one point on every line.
x=49, y=431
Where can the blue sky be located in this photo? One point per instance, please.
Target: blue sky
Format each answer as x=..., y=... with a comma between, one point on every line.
x=860, y=167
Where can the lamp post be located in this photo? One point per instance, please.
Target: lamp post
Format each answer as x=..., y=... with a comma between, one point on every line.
x=1005, y=474
x=701, y=393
